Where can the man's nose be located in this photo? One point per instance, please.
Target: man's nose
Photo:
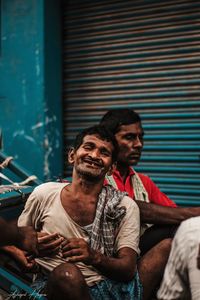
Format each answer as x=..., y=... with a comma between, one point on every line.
x=137, y=142
x=94, y=153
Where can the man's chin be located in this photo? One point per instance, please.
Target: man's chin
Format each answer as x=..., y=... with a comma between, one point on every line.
x=90, y=176
x=133, y=162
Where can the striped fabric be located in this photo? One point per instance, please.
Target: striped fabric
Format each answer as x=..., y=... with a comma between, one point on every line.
x=108, y=217
x=139, y=191
x=182, y=277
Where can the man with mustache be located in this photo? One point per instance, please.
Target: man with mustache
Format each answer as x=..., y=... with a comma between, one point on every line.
x=155, y=207
x=97, y=226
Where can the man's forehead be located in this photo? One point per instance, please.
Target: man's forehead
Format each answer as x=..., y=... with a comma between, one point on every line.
x=95, y=138
x=131, y=128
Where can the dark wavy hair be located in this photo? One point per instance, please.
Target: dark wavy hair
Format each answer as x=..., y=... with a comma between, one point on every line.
x=114, y=118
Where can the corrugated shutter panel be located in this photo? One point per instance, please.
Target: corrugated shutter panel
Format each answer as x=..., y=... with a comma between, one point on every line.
x=143, y=55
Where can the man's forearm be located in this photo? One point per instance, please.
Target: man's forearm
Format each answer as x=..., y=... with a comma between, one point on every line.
x=157, y=214
x=11, y=250
x=120, y=268
x=9, y=233
x=22, y=237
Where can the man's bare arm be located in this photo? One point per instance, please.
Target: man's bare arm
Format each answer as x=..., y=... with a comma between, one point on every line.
x=9, y=233
x=157, y=214
x=121, y=268
x=23, y=237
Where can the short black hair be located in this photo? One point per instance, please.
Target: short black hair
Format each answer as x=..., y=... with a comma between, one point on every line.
x=114, y=118
x=104, y=134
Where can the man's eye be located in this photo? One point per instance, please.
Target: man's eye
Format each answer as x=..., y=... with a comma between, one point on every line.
x=87, y=147
x=133, y=137
x=130, y=137
x=105, y=153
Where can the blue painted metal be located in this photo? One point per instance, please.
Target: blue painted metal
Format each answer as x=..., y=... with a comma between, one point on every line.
x=17, y=169
x=30, y=91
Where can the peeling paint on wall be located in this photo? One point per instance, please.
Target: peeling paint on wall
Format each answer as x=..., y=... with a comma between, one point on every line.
x=51, y=142
x=48, y=152
x=57, y=140
x=22, y=133
x=37, y=61
x=38, y=125
x=24, y=96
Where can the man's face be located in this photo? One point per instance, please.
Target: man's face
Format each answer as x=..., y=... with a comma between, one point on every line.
x=130, y=141
x=93, y=159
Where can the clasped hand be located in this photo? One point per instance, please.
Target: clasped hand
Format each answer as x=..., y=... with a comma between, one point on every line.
x=49, y=244
x=73, y=249
x=77, y=250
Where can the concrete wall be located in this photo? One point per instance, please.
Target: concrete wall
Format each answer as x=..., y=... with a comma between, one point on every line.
x=30, y=85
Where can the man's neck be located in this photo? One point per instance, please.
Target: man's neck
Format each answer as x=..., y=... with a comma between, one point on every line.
x=84, y=187
x=80, y=198
x=123, y=170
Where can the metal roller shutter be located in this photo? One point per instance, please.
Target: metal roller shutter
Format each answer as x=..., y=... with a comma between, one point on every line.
x=143, y=55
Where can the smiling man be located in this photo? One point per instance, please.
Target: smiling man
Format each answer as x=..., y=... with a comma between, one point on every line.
x=90, y=166
x=88, y=233
x=155, y=207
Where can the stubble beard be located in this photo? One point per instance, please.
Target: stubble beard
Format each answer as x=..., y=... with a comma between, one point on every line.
x=89, y=175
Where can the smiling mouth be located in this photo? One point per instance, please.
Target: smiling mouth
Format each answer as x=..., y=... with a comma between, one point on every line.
x=93, y=164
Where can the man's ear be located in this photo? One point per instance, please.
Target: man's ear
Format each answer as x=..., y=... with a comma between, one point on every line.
x=111, y=169
x=71, y=156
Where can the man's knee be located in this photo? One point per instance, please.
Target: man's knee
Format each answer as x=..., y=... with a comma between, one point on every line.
x=151, y=267
x=156, y=258
x=64, y=281
x=161, y=250
x=164, y=247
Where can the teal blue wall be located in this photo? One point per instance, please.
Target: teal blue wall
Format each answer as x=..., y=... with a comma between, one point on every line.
x=30, y=85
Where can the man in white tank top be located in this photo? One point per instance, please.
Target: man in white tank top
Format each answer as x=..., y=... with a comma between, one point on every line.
x=89, y=233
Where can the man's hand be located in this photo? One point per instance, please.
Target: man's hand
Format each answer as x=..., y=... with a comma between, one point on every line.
x=78, y=250
x=26, y=261
x=22, y=258
x=120, y=268
x=27, y=239
x=49, y=244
